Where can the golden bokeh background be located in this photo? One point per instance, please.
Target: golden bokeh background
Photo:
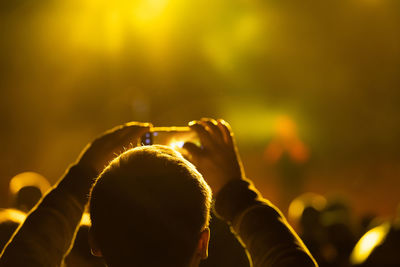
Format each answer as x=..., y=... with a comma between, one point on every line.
x=311, y=88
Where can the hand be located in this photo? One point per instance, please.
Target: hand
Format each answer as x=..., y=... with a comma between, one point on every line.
x=97, y=155
x=218, y=158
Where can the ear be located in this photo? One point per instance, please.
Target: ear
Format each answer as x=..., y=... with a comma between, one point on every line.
x=94, y=248
x=202, y=246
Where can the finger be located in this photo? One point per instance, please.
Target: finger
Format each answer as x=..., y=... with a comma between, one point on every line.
x=125, y=134
x=137, y=131
x=213, y=127
x=204, y=135
x=134, y=136
x=193, y=149
x=226, y=131
x=124, y=128
x=193, y=152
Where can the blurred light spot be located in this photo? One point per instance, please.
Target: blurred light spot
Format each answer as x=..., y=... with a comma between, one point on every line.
x=247, y=28
x=219, y=52
x=273, y=152
x=103, y=26
x=299, y=152
x=252, y=122
x=113, y=30
x=225, y=45
x=368, y=242
x=296, y=209
x=285, y=127
x=298, y=205
x=176, y=144
x=149, y=10
x=86, y=219
x=29, y=179
x=12, y=214
x=285, y=139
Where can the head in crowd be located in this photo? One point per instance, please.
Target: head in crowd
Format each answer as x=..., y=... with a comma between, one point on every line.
x=27, y=197
x=10, y=219
x=150, y=207
x=305, y=211
x=27, y=189
x=379, y=246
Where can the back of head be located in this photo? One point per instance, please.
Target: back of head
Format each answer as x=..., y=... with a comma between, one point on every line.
x=148, y=208
x=80, y=254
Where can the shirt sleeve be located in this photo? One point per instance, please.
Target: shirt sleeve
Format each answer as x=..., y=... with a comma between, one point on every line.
x=48, y=232
x=261, y=227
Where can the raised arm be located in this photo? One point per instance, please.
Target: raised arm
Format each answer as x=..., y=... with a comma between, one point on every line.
x=260, y=226
x=47, y=233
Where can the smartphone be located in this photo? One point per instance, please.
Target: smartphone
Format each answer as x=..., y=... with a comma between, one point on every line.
x=174, y=137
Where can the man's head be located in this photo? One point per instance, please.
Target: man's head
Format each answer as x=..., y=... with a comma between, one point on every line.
x=150, y=207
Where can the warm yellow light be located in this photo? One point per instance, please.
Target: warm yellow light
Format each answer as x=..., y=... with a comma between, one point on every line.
x=296, y=209
x=113, y=30
x=368, y=242
x=224, y=45
x=175, y=144
x=285, y=127
x=246, y=30
x=104, y=27
x=218, y=52
x=86, y=219
x=13, y=215
x=149, y=10
x=29, y=179
x=298, y=205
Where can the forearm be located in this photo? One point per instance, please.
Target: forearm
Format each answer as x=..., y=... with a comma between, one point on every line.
x=261, y=227
x=48, y=231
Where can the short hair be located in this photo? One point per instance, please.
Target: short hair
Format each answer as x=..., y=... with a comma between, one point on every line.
x=80, y=255
x=148, y=208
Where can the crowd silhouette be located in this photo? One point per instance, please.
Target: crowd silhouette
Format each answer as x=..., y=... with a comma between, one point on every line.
x=125, y=205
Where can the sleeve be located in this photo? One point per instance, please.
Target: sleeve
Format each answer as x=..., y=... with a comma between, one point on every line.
x=47, y=233
x=261, y=227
